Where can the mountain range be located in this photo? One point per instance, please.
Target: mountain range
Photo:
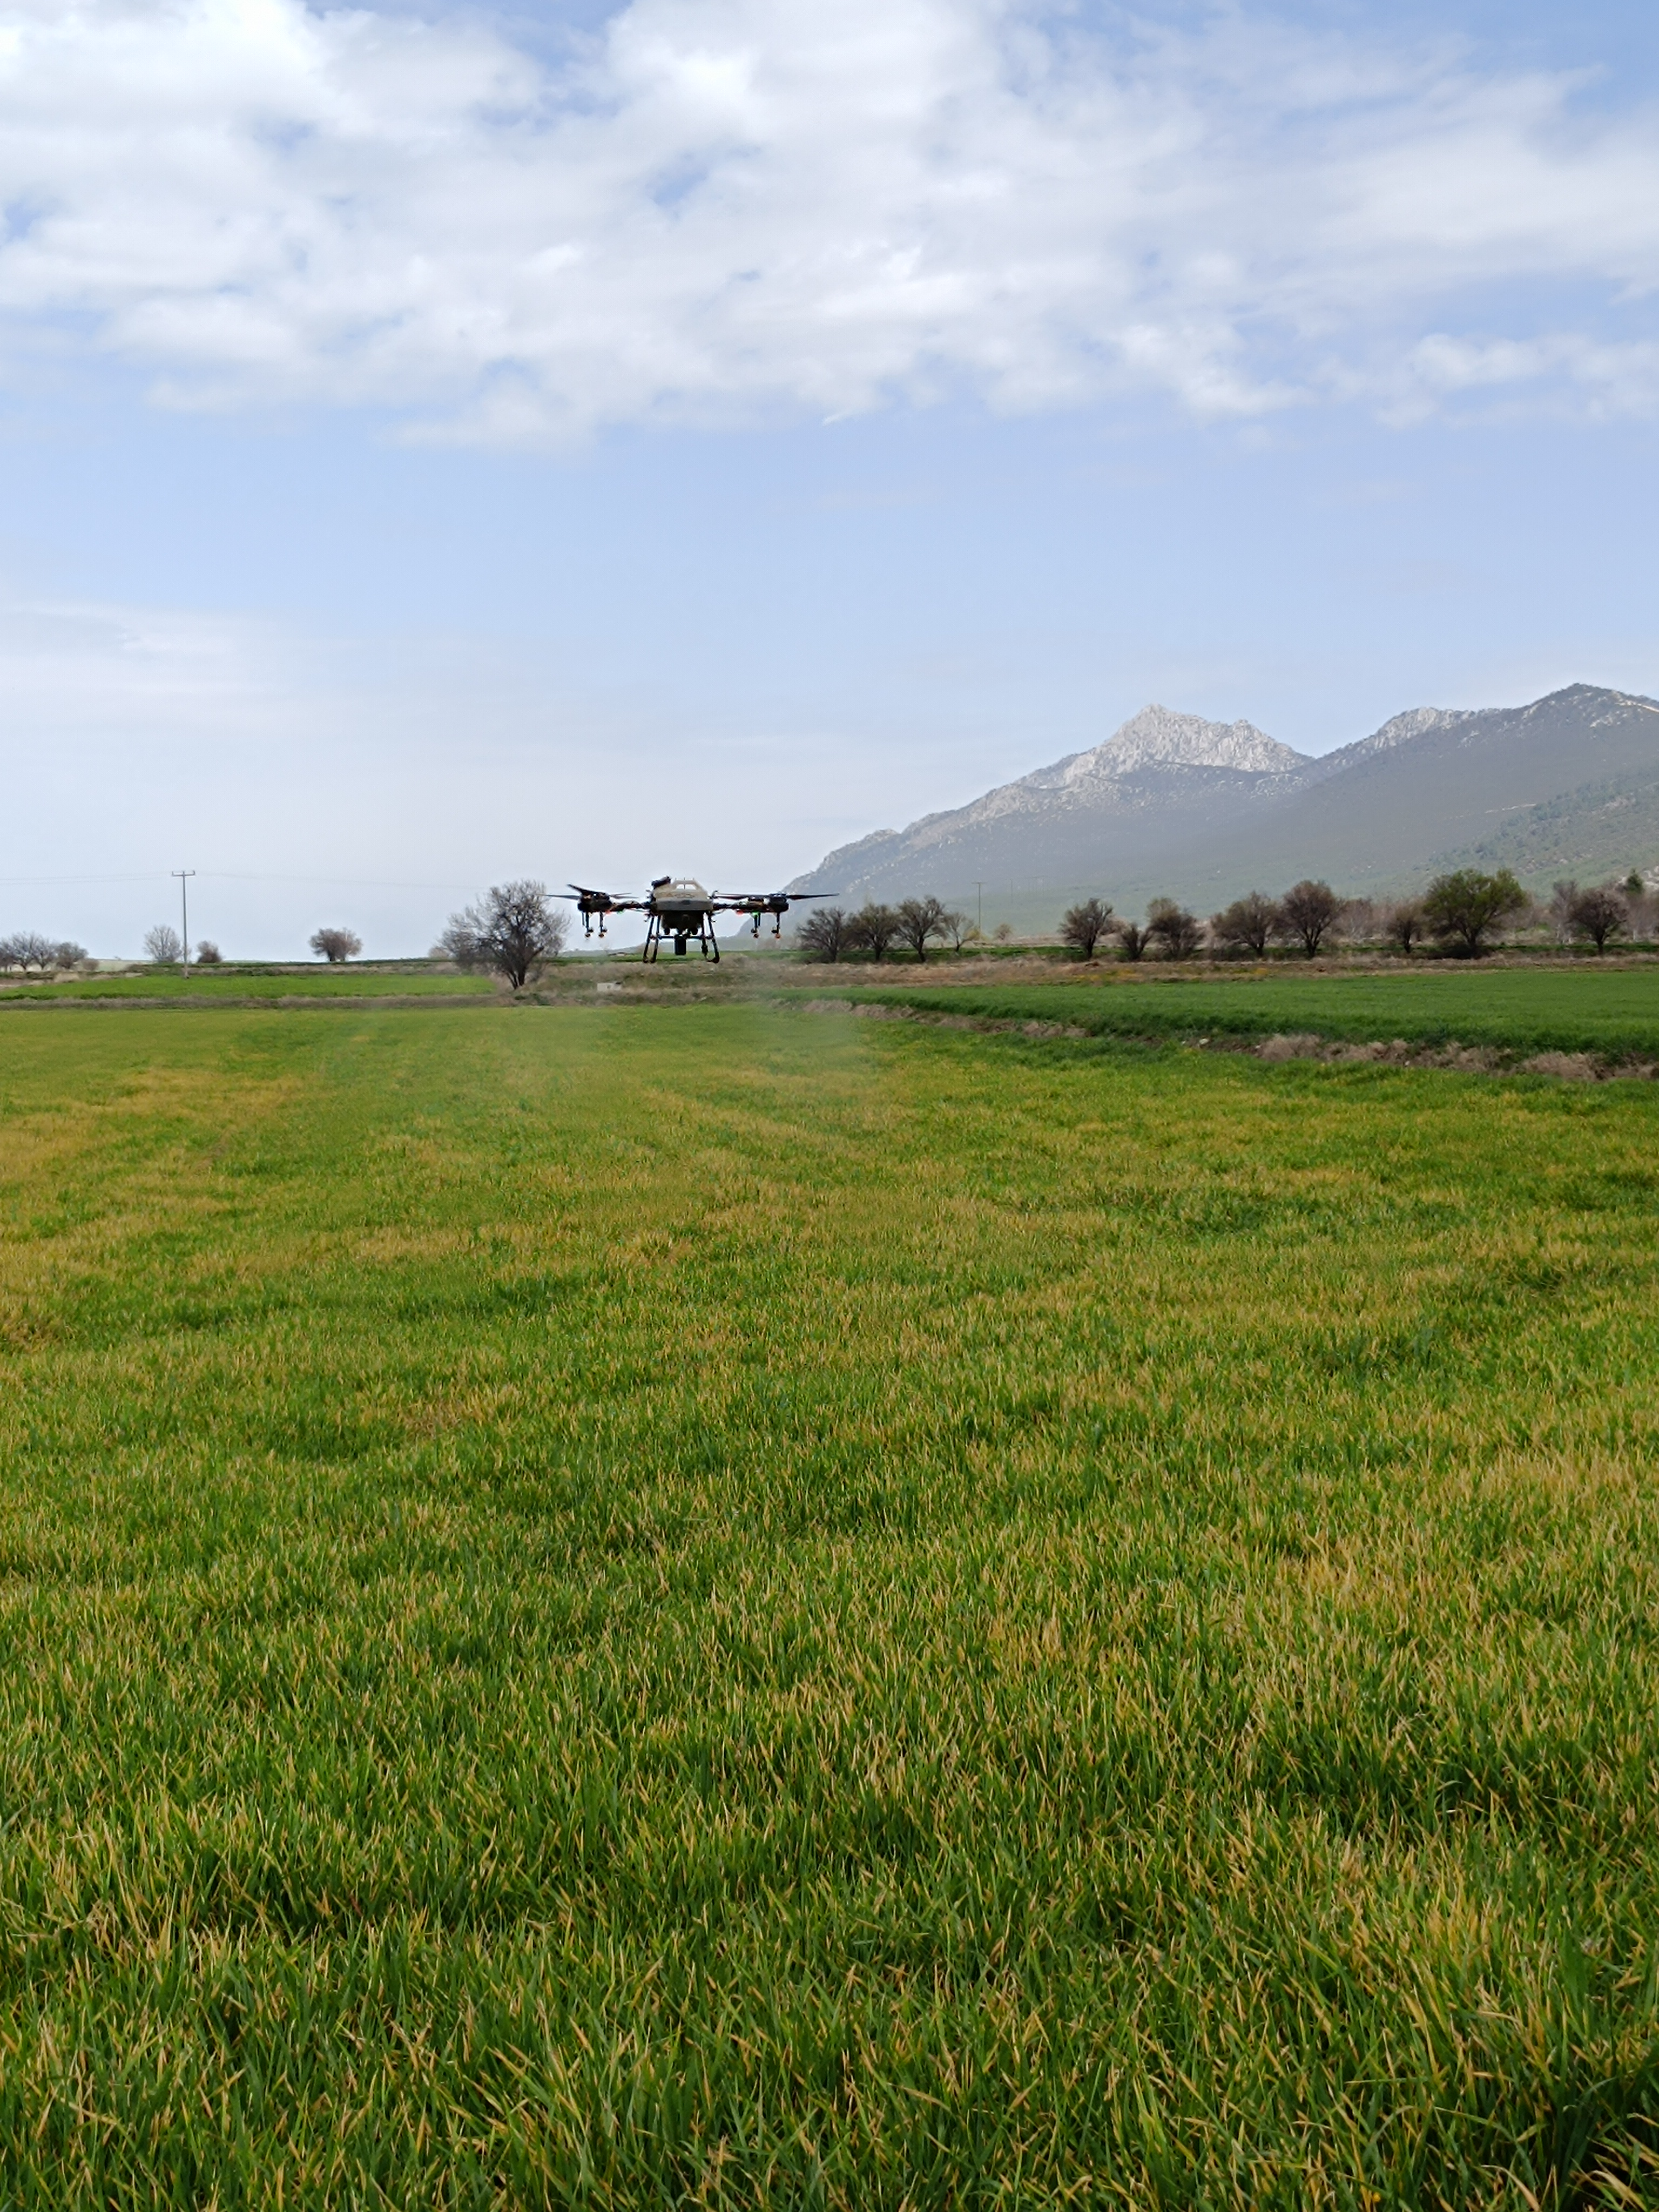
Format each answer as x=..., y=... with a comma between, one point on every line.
x=1175, y=805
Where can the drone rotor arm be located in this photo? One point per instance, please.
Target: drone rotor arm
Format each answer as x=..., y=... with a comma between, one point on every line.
x=767, y=902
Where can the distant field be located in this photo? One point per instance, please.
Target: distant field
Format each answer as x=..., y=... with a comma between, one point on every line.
x=709, y=1605
x=1610, y=1010
x=254, y=983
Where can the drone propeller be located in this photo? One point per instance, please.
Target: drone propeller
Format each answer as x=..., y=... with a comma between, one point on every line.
x=770, y=898
x=756, y=904
x=589, y=903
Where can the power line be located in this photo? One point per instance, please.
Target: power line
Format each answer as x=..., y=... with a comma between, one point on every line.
x=226, y=875
x=345, y=882
x=153, y=876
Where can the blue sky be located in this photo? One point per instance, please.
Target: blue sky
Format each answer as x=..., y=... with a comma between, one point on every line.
x=442, y=445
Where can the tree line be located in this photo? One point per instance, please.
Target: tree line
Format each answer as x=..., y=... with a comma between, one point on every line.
x=27, y=950
x=517, y=928
x=513, y=932
x=1461, y=913
x=830, y=932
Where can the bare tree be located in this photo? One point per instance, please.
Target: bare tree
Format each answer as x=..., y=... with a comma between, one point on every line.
x=920, y=920
x=164, y=946
x=823, y=935
x=1462, y=908
x=1403, y=925
x=1563, y=894
x=1003, y=931
x=1599, y=913
x=1132, y=937
x=1309, y=912
x=335, y=945
x=207, y=954
x=67, y=954
x=510, y=933
x=1180, y=933
x=958, y=927
x=1082, y=927
x=1247, y=924
x=872, y=929
x=28, y=948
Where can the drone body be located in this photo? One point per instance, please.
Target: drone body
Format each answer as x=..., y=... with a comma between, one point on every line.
x=679, y=908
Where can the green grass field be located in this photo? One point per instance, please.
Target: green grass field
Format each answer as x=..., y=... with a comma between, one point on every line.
x=1609, y=1010
x=735, y=1607
x=341, y=982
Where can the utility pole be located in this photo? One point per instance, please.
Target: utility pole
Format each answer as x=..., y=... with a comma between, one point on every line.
x=184, y=910
x=979, y=920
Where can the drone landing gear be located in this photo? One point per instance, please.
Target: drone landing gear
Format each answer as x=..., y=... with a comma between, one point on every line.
x=703, y=935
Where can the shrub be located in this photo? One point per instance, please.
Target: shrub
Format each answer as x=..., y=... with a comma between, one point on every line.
x=1598, y=914
x=1404, y=925
x=1308, y=915
x=1179, y=933
x=872, y=929
x=1461, y=909
x=207, y=954
x=1247, y=924
x=823, y=935
x=1082, y=927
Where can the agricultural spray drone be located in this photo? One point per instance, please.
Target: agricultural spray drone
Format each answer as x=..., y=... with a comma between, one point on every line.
x=678, y=907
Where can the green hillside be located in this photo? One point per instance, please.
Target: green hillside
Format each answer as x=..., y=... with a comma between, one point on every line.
x=1600, y=830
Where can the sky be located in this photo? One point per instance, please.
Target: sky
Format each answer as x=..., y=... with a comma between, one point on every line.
x=440, y=445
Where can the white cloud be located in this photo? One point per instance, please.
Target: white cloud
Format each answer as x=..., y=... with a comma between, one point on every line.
x=1598, y=379
x=721, y=207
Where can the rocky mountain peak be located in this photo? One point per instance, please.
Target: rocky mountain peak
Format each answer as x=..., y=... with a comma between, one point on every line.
x=1173, y=804
x=1400, y=729
x=1156, y=738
